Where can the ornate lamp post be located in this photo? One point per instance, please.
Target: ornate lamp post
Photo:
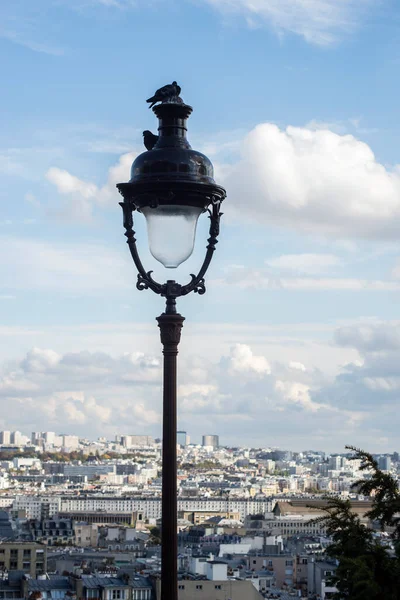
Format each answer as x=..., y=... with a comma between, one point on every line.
x=172, y=185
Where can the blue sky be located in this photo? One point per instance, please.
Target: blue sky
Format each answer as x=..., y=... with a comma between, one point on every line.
x=296, y=342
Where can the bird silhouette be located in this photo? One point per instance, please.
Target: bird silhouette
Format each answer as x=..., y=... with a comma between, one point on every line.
x=166, y=92
x=149, y=139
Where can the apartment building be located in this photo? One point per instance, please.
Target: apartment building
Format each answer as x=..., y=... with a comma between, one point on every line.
x=88, y=587
x=29, y=557
x=200, y=517
x=151, y=507
x=295, y=525
x=284, y=567
x=36, y=507
x=214, y=590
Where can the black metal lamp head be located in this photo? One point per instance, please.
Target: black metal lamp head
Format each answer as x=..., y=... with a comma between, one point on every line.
x=171, y=172
x=171, y=160
x=171, y=184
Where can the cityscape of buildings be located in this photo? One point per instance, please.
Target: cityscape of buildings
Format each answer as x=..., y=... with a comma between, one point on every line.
x=82, y=518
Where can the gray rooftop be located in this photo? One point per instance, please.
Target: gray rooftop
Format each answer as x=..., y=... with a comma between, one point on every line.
x=46, y=585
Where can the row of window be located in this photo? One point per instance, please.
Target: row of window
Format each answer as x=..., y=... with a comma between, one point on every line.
x=288, y=563
x=26, y=566
x=14, y=552
x=199, y=586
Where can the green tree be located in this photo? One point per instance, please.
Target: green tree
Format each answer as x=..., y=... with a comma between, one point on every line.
x=155, y=536
x=367, y=569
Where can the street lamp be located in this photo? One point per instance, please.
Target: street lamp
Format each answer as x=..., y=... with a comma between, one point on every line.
x=171, y=185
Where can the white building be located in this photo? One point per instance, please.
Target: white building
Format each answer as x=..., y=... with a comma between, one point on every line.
x=5, y=438
x=151, y=507
x=17, y=438
x=49, y=437
x=88, y=470
x=216, y=570
x=70, y=442
x=37, y=507
x=19, y=463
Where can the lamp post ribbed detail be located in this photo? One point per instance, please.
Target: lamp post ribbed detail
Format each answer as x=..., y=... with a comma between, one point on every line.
x=170, y=332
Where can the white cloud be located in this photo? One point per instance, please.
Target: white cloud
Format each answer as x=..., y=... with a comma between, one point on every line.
x=264, y=278
x=298, y=393
x=320, y=22
x=242, y=360
x=337, y=127
x=83, y=196
x=191, y=389
x=315, y=181
x=244, y=396
x=396, y=270
x=370, y=337
x=307, y=179
x=38, y=360
x=20, y=38
x=69, y=184
x=78, y=267
x=369, y=386
x=383, y=384
x=85, y=391
x=297, y=366
x=309, y=264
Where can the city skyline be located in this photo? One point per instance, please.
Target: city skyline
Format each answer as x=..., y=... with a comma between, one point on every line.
x=297, y=340
x=52, y=438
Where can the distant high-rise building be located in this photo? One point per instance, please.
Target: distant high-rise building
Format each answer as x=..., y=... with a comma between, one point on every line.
x=70, y=442
x=335, y=463
x=49, y=437
x=385, y=463
x=182, y=438
x=5, y=437
x=211, y=440
x=128, y=441
x=16, y=438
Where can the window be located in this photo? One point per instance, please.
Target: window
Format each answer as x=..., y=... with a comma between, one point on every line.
x=27, y=553
x=181, y=587
x=13, y=553
x=254, y=562
x=289, y=563
x=270, y=563
x=218, y=587
x=199, y=587
x=13, y=565
x=26, y=566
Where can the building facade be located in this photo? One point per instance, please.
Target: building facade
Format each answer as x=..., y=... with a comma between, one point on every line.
x=29, y=557
x=210, y=440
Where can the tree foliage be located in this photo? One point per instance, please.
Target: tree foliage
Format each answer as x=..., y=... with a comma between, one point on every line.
x=155, y=536
x=367, y=568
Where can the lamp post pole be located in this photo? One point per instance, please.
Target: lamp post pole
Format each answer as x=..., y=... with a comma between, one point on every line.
x=171, y=184
x=170, y=325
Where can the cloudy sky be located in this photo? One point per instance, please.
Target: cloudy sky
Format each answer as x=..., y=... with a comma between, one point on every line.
x=297, y=342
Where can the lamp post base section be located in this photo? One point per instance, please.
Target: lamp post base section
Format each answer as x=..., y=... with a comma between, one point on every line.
x=170, y=331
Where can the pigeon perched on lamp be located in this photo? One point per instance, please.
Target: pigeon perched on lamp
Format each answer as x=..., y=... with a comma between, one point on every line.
x=165, y=93
x=149, y=139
